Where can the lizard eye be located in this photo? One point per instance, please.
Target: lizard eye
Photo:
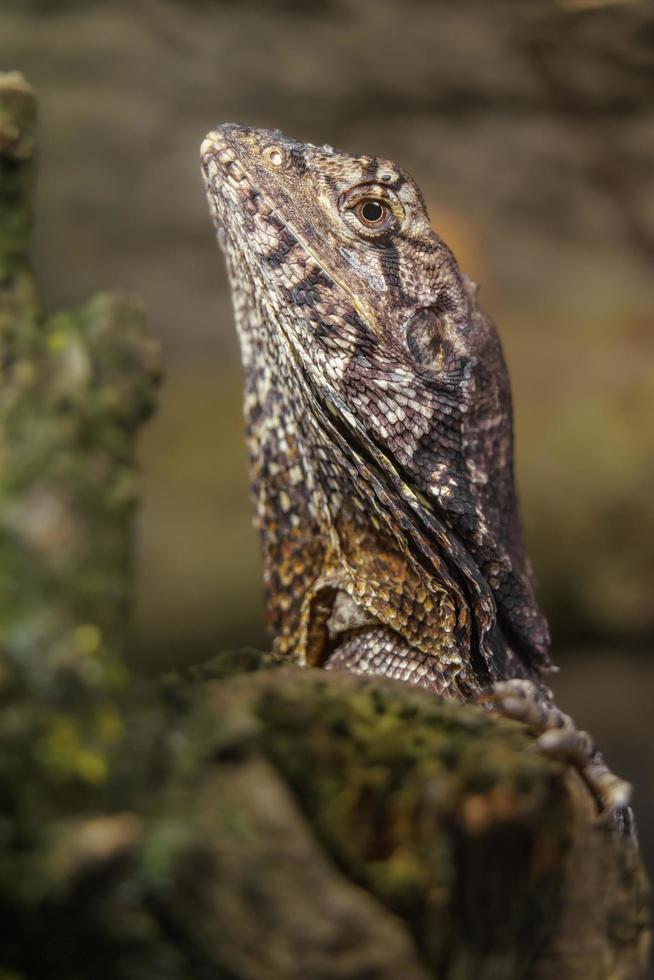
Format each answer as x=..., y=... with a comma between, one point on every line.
x=373, y=213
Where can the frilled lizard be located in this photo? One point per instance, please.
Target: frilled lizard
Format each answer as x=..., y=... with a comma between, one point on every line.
x=379, y=425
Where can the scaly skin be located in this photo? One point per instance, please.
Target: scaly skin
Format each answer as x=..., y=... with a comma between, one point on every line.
x=379, y=426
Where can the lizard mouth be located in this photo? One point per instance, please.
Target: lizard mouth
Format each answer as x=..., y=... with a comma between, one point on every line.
x=220, y=169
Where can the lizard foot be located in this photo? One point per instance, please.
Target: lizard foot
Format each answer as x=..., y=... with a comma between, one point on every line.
x=559, y=738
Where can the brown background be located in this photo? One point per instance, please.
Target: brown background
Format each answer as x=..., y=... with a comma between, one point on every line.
x=530, y=127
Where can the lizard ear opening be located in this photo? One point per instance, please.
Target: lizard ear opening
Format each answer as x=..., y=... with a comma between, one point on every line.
x=429, y=330
x=424, y=335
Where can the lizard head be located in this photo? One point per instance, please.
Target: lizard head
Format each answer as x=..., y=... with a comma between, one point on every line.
x=334, y=257
x=361, y=219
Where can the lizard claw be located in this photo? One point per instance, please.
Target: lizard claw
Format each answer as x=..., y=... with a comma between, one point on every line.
x=559, y=738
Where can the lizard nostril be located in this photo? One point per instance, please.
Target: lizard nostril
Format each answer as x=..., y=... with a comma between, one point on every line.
x=274, y=155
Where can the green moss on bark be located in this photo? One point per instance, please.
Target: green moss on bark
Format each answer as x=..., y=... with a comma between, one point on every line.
x=442, y=813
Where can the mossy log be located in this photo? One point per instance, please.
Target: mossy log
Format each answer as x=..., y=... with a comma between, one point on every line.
x=250, y=820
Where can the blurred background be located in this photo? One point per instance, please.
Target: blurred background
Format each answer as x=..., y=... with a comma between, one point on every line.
x=530, y=128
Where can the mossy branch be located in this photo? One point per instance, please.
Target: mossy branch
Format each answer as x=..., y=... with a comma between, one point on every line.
x=246, y=821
